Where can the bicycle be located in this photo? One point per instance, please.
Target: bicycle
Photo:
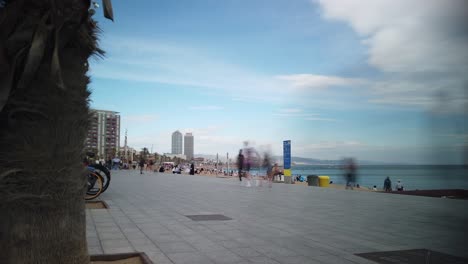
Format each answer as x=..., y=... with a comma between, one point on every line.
x=95, y=184
x=104, y=172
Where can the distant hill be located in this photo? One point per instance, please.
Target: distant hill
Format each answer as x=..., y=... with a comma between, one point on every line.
x=310, y=161
x=301, y=160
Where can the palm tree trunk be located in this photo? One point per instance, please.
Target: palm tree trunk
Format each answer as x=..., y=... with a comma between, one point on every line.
x=45, y=46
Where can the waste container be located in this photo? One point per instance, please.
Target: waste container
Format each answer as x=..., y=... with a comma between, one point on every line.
x=324, y=181
x=312, y=180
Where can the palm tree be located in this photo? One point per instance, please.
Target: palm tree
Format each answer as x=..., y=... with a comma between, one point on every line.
x=44, y=113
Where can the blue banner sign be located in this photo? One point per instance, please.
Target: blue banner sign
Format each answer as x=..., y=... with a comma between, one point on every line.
x=287, y=154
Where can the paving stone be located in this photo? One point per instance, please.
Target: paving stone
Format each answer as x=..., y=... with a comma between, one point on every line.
x=117, y=243
x=147, y=247
x=262, y=260
x=207, y=246
x=95, y=250
x=332, y=259
x=189, y=258
x=296, y=260
x=175, y=247
x=223, y=256
x=111, y=236
x=166, y=238
x=231, y=244
x=284, y=224
x=114, y=250
x=158, y=257
x=246, y=252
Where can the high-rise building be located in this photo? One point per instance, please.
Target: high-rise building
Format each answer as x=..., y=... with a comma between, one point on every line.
x=104, y=133
x=177, y=142
x=188, y=146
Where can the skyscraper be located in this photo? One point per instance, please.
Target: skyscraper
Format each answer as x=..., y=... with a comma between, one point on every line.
x=104, y=133
x=188, y=146
x=177, y=142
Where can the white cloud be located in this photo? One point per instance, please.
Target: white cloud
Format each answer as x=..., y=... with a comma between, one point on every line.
x=421, y=46
x=311, y=81
x=328, y=145
x=156, y=61
x=290, y=110
x=297, y=115
x=408, y=36
x=206, y=107
x=320, y=119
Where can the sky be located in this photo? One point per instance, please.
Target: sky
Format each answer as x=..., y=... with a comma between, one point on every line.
x=375, y=80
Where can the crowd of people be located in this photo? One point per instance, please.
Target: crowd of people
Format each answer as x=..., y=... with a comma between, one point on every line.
x=253, y=159
x=388, y=185
x=247, y=159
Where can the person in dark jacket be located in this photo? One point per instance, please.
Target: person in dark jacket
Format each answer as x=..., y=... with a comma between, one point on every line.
x=240, y=163
x=192, y=169
x=142, y=165
x=388, y=185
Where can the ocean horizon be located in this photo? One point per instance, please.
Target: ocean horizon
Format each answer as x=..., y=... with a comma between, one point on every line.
x=413, y=177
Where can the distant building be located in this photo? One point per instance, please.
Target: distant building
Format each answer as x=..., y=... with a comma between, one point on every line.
x=131, y=152
x=188, y=146
x=170, y=155
x=103, y=137
x=176, y=142
x=199, y=159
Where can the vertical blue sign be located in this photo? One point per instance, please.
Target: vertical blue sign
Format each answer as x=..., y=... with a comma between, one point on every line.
x=287, y=154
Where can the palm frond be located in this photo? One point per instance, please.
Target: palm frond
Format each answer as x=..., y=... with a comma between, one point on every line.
x=108, y=12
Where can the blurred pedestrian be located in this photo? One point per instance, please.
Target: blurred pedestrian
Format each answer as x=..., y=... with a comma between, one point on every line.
x=150, y=165
x=142, y=165
x=268, y=168
x=240, y=163
x=388, y=185
x=192, y=169
x=399, y=186
x=350, y=167
x=251, y=159
x=276, y=171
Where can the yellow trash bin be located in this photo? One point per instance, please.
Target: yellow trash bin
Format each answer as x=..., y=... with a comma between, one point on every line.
x=324, y=181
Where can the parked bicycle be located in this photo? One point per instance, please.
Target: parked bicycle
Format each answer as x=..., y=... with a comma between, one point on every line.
x=98, y=180
x=95, y=184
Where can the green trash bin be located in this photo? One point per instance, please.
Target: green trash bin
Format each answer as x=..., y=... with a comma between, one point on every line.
x=312, y=180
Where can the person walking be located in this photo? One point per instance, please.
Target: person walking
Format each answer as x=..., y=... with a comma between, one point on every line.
x=142, y=165
x=399, y=186
x=350, y=173
x=276, y=171
x=240, y=163
x=192, y=169
x=150, y=166
x=267, y=166
x=388, y=185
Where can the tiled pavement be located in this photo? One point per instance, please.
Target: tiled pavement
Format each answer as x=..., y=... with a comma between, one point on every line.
x=285, y=224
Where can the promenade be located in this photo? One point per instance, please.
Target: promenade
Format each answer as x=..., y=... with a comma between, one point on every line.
x=284, y=224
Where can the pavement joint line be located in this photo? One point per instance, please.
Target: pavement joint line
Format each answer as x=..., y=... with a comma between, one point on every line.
x=97, y=233
x=146, y=236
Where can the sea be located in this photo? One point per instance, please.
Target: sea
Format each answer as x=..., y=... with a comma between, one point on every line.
x=413, y=177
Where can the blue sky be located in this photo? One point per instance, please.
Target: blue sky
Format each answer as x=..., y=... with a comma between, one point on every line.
x=338, y=78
